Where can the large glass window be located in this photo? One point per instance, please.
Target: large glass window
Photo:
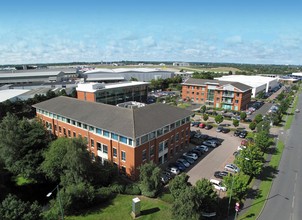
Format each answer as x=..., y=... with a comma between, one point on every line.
x=114, y=152
x=144, y=139
x=105, y=149
x=144, y=155
x=161, y=147
x=166, y=129
x=159, y=132
x=106, y=133
x=99, y=146
x=99, y=131
x=152, y=135
x=114, y=136
x=130, y=142
x=123, y=139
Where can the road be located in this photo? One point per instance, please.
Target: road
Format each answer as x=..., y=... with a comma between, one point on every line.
x=285, y=199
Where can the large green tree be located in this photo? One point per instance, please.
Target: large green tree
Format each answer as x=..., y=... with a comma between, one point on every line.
x=14, y=208
x=262, y=140
x=149, y=179
x=184, y=206
x=243, y=115
x=218, y=119
x=236, y=186
x=22, y=143
x=258, y=118
x=178, y=184
x=206, y=196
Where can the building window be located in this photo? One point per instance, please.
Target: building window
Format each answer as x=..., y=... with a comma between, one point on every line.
x=92, y=143
x=183, y=121
x=159, y=132
x=187, y=132
x=123, y=139
x=192, y=93
x=123, y=156
x=152, y=135
x=92, y=156
x=177, y=137
x=79, y=124
x=73, y=122
x=152, y=150
x=106, y=133
x=114, y=136
x=69, y=133
x=144, y=139
x=91, y=128
x=172, y=126
x=55, y=126
x=137, y=142
x=105, y=149
x=144, y=156
x=99, y=131
x=166, y=144
x=60, y=129
x=177, y=123
x=172, y=139
x=161, y=147
x=64, y=131
x=166, y=129
x=130, y=142
x=84, y=126
x=99, y=146
x=236, y=101
x=68, y=120
x=197, y=93
x=123, y=170
x=74, y=134
x=114, y=152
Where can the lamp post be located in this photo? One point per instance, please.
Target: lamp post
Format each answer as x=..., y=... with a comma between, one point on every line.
x=59, y=198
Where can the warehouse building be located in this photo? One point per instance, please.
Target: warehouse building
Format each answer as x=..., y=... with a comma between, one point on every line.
x=121, y=74
x=258, y=83
x=128, y=137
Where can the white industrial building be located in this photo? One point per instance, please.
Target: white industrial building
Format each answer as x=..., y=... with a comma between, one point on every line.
x=297, y=75
x=120, y=74
x=258, y=83
x=12, y=94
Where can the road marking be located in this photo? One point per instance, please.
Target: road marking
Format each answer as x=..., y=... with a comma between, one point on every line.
x=293, y=202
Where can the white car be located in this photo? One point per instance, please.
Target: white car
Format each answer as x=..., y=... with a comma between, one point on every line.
x=174, y=170
x=297, y=110
x=203, y=148
x=210, y=143
x=191, y=155
x=232, y=167
x=184, y=162
x=241, y=147
x=218, y=185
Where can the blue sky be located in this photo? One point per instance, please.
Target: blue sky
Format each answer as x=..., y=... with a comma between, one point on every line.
x=264, y=32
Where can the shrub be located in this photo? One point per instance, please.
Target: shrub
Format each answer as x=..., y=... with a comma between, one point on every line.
x=252, y=126
x=132, y=189
x=117, y=188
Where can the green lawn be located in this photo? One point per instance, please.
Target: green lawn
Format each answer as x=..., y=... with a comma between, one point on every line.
x=184, y=105
x=264, y=187
x=120, y=208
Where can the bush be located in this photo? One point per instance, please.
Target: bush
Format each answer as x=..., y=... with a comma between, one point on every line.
x=117, y=188
x=103, y=194
x=132, y=189
x=252, y=126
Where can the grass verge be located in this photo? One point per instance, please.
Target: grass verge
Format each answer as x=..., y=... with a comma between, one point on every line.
x=264, y=187
x=120, y=208
x=292, y=115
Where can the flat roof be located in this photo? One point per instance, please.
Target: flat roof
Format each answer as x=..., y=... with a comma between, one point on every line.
x=124, y=70
x=123, y=121
x=28, y=74
x=88, y=87
x=297, y=74
x=253, y=81
x=11, y=93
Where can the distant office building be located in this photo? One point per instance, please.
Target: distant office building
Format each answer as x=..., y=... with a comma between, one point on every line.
x=113, y=93
x=217, y=94
x=181, y=64
x=122, y=74
x=129, y=137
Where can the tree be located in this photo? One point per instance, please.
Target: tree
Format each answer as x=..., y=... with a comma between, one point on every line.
x=67, y=161
x=203, y=109
x=236, y=185
x=252, y=126
x=149, y=179
x=250, y=161
x=14, y=208
x=276, y=117
x=178, y=184
x=243, y=116
x=236, y=122
x=262, y=140
x=264, y=126
x=22, y=143
x=206, y=196
x=258, y=118
x=218, y=119
x=184, y=206
x=205, y=117
x=133, y=79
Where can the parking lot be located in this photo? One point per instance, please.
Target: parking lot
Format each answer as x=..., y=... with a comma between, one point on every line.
x=216, y=158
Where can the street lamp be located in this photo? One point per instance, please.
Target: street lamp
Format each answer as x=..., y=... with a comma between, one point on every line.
x=59, y=198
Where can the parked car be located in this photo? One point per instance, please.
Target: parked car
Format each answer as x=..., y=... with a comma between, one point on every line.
x=164, y=179
x=244, y=142
x=248, y=120
x=184, y=162
x=237, y=132
x=208, y=127
x=195, y=123
x=203, y=148
x=198, y=152
x=236, y=153
x=225, y=130
x=210, y=143
x=202, y=125
x=221, y=174
x=219, y=129
x=225, y=125
x=188, y=159
x=297, y=110
x=218, y=185
x=243, y=134
x=180, y=166
x=232, y=168
x=174, y=170
x=241, y=147
x=168, y=174
x=191, y=155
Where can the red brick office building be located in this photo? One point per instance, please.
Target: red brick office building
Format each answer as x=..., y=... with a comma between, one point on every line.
x=127, y=137
x=217, y=94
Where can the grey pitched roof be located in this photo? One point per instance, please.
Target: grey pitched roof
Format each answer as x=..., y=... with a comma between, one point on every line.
x=123, y=121
x=193, y=81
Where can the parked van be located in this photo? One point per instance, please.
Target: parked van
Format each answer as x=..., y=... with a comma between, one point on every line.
x=218, y=185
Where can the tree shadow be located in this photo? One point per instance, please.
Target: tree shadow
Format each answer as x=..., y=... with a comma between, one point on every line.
x=253, y=194
x=272, y=151
x=268, y=173
x=249, y=216
x=150, y=211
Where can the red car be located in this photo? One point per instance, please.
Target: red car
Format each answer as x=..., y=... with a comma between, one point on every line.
x=201, y=125
x=244, y=142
